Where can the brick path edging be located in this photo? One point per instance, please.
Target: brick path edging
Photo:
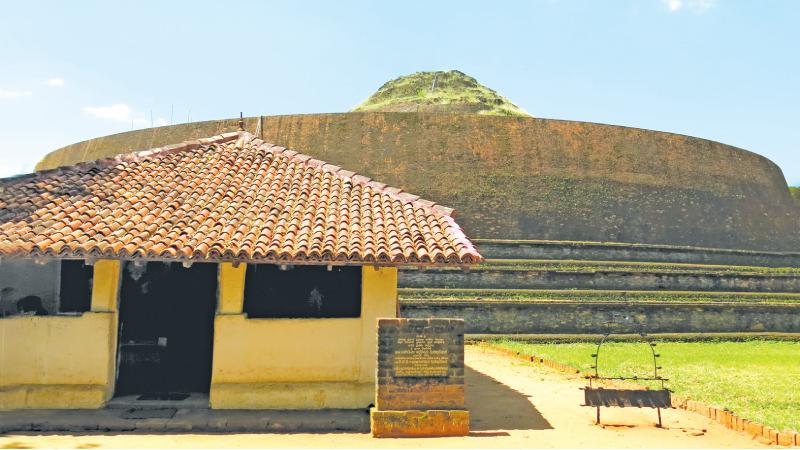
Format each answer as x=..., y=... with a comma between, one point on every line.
x=727, y=418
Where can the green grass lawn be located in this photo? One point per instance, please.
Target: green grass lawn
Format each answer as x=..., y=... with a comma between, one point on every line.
x=758, y=379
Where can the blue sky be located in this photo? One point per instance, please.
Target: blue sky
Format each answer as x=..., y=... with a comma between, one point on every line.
x=718, y=69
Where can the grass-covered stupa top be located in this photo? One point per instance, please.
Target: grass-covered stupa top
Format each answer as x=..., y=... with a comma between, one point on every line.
x=440, y=91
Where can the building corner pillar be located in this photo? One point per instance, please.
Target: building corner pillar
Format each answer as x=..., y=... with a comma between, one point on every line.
x=231, y=288
x=105, y=285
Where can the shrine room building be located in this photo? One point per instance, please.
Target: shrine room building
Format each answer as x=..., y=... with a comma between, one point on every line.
x=227, y=269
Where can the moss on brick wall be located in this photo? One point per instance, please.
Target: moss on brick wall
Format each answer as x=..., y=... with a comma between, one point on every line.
x=795, y=191
x=526, y=178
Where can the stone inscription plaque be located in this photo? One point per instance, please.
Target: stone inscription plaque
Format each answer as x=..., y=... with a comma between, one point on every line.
x=418, y=355
x=420, y=364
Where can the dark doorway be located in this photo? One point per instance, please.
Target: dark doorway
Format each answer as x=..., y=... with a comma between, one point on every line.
x=166, y=328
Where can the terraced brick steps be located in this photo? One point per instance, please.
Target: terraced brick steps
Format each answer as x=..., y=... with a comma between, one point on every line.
x=607, y=276
x=556, y=287
x=619, y=251
x=408, y=295
x=573, y=265
x=597, y=317
x=472, y=339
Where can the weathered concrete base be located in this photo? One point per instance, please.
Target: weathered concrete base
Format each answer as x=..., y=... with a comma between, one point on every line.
x=60, y=361
x=416, y=423
x=62, y=396
x=183, y=420
x=311, y=395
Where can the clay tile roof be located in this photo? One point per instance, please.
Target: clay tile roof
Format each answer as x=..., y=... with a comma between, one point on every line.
x=226, y=198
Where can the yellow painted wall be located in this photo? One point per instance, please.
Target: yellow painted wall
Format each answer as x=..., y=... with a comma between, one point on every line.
x=230, y=286
x=70, y=361
x=62, y=361
x=301, y=363
x=105, y=287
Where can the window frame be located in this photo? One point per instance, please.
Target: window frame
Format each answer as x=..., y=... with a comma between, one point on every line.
x=357, y=305
x=52, y=303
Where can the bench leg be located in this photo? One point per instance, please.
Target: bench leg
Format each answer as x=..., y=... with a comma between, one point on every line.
x=659, y=417
x=598, y=416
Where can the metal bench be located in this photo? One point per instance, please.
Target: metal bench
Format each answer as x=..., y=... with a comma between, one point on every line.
x=596, y=396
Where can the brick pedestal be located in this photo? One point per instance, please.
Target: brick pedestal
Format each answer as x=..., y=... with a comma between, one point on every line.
x=420, y=383
x=414, y=423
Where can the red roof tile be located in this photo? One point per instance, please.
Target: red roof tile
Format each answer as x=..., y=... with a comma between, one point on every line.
x=230, y=197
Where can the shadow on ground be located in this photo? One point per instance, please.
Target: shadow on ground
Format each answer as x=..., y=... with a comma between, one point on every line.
x=494, y=406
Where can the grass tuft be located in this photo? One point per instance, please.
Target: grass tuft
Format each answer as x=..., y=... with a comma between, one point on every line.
x=445, y=91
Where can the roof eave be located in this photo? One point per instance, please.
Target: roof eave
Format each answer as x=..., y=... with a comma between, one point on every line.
x=237, y=261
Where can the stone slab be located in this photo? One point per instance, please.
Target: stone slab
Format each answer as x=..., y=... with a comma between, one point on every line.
x=420, y=364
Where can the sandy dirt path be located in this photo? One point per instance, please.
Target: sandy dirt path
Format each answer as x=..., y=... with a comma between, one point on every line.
x=513, y=405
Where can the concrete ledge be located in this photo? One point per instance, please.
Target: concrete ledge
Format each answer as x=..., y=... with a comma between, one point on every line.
x=319, y=395
x=186, y=420
x=430, y=423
